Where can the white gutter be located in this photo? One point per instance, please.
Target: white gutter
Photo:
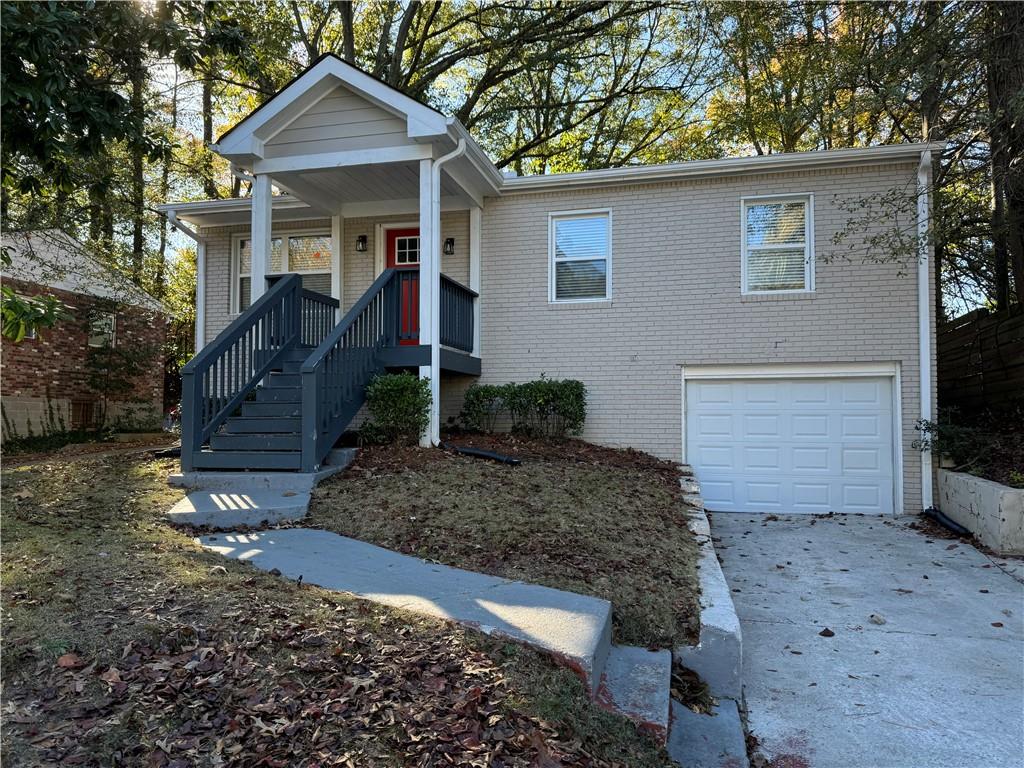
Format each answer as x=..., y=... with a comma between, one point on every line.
x=435, y=294
x=789, y=161
x=200, y=240
x=924, y=322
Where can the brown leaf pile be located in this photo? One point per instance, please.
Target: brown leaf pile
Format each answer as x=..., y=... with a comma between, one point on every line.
x=273, y=692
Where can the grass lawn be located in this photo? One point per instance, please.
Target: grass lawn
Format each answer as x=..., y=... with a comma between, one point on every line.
x=125, y=644
x=572, y=516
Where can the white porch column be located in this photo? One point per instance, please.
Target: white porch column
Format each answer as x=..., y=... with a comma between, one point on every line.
x=429, y=268
x=476, y=218
x=338, y=264
x=260, y=233
x=200, y=328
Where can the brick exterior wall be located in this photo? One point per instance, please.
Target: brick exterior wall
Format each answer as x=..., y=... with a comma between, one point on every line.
x=359, y=268
x=53, y=365
x=677, y=301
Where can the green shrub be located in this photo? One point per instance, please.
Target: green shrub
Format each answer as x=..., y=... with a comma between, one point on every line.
x=482, y=406
x=399, y=405
x=542, y=408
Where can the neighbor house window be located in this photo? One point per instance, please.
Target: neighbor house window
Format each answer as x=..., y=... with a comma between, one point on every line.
x=101, y=331
x=309, y=254
x=778, y=252
x=580, y=255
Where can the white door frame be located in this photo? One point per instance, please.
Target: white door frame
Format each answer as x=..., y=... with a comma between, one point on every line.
x=811, y=371
x=380, y=236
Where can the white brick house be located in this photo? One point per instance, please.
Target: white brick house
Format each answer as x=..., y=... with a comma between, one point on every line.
x=704, y=304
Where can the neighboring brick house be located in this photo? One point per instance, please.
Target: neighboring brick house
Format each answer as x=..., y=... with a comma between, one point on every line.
x=45, y=378
x=714, y=309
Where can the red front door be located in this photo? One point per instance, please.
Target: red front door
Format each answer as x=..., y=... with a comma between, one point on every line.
x=403, y=253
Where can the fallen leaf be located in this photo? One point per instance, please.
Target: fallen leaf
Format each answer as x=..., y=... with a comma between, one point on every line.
x=70, y=661
x=826, y=632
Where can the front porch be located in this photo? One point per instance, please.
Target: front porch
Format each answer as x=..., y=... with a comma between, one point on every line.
x=371, y=184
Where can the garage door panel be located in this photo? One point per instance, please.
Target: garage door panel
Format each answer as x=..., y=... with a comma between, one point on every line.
x=814, y=445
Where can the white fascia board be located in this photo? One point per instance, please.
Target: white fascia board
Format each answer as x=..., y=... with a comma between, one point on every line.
x=195, y=212
x=326, y=160
x=835, y=158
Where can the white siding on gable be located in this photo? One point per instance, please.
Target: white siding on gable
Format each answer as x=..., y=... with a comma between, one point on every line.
x=338, y=122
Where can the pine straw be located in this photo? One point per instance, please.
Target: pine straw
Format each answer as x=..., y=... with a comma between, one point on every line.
x=572, y=516
x=125, y=644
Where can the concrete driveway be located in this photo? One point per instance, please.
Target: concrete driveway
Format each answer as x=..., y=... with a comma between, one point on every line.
x=935, y=679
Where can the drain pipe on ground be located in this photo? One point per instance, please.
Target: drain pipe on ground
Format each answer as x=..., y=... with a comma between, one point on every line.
x=435, y=294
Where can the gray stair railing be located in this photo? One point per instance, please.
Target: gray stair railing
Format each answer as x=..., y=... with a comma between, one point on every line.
x=335, y=375
x=219, y=378
x=457, y=314
x=318, y=316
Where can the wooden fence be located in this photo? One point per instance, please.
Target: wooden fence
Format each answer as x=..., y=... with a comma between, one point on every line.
x=981, y=360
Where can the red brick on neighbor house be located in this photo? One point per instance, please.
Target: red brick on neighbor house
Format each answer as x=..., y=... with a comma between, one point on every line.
x=53, y=366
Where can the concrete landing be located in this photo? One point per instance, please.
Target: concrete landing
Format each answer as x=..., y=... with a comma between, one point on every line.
x=636, y=683
x=227, y=509
x=221, y=480
x=574, y=628
x=709, y=741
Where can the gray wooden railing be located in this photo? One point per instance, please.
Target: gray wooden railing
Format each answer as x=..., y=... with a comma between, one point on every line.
x=217, y=380
x=457, y=314
x=335, y=375
x=318, y=316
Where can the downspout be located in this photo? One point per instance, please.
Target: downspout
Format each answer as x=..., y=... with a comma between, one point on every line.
x=200, y=241
x=924, y=323
x=435, y=294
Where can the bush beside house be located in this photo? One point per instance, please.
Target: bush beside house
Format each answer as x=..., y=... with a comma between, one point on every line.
x=553, y=408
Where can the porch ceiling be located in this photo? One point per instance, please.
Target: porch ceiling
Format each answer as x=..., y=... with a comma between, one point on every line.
x=335, y=188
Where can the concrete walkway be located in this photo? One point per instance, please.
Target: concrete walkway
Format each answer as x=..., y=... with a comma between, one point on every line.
x=867, y=644
x=574, y=627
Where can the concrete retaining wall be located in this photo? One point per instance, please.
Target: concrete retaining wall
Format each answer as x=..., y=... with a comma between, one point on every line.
x=993, y=512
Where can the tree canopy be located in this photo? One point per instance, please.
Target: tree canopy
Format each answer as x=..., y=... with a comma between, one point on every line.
x=108, y=108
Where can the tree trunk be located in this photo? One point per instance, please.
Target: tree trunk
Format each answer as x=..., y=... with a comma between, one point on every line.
x=1006, y=108
x=138, y=185
x=209, y=184
x=165, y=189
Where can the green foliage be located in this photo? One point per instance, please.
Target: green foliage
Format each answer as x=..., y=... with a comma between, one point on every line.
x=399, y=406
x=112, y=369
x=25, y=315
x=989, y=444
x=552, y=408
x=482, y=406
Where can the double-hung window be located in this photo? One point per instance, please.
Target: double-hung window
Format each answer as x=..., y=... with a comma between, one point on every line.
x=778, y=247
x=580, y=256
x=307, y=253
x=102, y=331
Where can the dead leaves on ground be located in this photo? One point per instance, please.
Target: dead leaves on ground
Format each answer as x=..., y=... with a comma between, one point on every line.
x=265, y=690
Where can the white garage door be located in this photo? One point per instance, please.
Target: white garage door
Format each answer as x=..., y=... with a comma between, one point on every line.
x=792, y=445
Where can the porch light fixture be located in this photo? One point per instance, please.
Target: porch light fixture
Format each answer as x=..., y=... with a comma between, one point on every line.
x=361, y=243
x=449, y=246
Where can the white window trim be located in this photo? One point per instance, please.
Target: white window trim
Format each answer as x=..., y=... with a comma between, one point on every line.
x=237, y=274
x=554, y=216
x=113, y=331
x=802, y=197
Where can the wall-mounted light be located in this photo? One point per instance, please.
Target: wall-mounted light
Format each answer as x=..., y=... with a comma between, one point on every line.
x=361, y=243
x=449, y=246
